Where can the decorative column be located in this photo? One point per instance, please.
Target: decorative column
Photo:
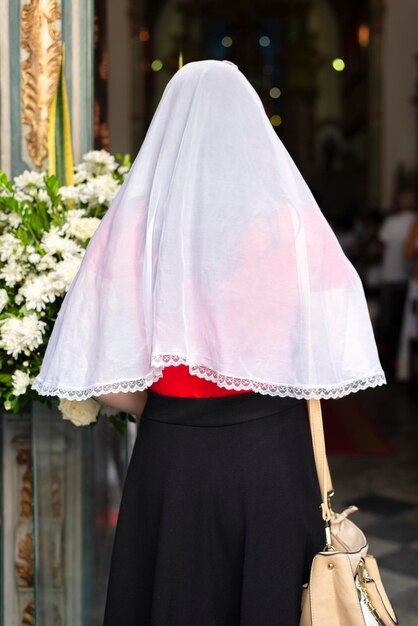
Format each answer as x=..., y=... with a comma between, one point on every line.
x=139, y=35
x=377, y=11
x=301, y=60
x=30, y=53
x=415, y=103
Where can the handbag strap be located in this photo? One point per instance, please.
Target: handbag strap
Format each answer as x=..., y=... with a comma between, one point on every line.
x=321, y=461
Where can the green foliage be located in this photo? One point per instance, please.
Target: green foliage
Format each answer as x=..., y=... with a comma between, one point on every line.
x=120, y=421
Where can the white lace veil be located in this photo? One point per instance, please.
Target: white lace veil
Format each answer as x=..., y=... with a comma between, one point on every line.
x=214, y=254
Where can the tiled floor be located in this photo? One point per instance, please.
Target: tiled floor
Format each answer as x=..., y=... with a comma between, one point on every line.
x=386, y=491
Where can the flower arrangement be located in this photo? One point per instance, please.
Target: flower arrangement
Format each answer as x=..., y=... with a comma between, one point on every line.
x=44, y=231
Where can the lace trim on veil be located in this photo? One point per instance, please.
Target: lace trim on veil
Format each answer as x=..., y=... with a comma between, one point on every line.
x=223, y=380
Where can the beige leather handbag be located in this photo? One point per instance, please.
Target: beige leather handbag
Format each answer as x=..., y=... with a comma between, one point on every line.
x=345, y=587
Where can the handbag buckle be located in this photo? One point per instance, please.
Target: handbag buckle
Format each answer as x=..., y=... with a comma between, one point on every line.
x=328, y=538
x=328, y=545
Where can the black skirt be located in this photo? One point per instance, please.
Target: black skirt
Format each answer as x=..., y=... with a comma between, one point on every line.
x=220, y=514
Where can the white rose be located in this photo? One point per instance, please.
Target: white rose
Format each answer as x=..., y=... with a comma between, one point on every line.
x=79, y=412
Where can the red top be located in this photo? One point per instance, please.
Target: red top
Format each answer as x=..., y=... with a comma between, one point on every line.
x=177, y=381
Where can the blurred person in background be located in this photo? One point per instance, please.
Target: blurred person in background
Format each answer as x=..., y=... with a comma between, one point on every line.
x=345, y=232
x=409, y=330
x=369, y=259
x=395, y=272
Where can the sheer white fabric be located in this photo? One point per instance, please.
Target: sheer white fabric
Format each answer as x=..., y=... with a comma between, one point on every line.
x=214, y=254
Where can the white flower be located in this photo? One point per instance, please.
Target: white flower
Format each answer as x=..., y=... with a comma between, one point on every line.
x=38, y=291
x=34, y=258
x=70, y=193
x=10, y=246
x=84, y=227
x=14, y=220
x=21, y=334
x=53, y=243
x=44, y=197
x=72, y=213
x=123, y=169
x=99, y=190
x=79, y=412
x=48, y=262
x=4, y=298
x=12, y=273
x=21, y=196
x=20, y=381
x=29, y=179
x=99, y=161
x=81, y=174
x=65, y=272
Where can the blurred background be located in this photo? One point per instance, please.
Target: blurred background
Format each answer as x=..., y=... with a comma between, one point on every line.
x=339, y=83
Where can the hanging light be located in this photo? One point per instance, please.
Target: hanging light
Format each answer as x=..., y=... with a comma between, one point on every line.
x=156, y=65
x=363, y=35
x=275, y=92
x=264, y=41
x=226, y=41
x=276, y=120
x=338, y=65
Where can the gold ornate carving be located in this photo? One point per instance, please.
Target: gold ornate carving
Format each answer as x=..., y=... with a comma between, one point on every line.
x=41, y=40
x=57, y=616
x=24, y=564
x=56, y=493
x=24, y=547
x=24, y=457
x=28, y=618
